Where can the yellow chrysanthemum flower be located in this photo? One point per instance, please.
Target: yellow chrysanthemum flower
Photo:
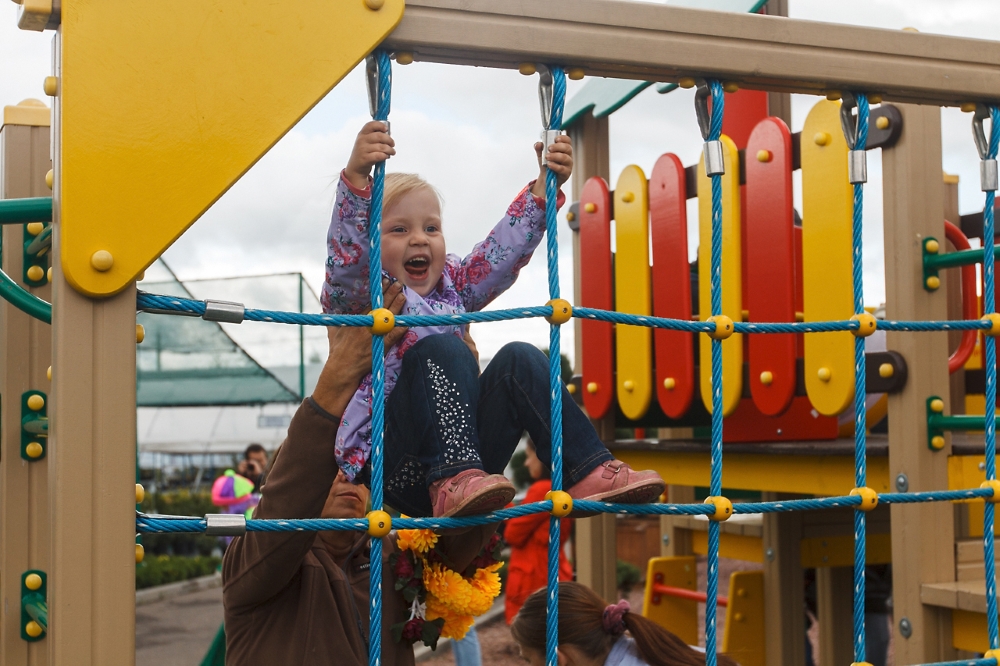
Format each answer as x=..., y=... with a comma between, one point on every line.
x=448, y=586
x=456, y=625
x=419, y=541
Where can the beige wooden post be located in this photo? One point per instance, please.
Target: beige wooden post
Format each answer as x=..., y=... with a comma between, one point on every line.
x=596, y=547
x=923, y=540
x=835, y=611
x=92, y=469
x=25, y=355
x=784, y=597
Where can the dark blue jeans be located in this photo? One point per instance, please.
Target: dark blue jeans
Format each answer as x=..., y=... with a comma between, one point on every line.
x=443, y=418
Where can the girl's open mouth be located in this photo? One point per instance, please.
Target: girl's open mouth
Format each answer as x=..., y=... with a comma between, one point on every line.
x=417, y=268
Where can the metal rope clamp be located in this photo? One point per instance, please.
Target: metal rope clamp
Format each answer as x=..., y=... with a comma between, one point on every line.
x=225, y=524
x=224, y=311
x=374, y=91
x=715, y=163
x=545, y=99
x=987, y=167
x=857, y=158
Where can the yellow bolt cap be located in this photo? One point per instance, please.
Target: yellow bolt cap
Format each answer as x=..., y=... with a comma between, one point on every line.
x=383, y=321
x=866, y=324
x=764, y=155
x=822, y=138
x=968, y=107
x=33, y=581
x=35, y=273
x=140, y=493
x=869, y=498
x=35, y=402
x=562, y=311
x=723, y=508
x=669, y=383
x=686, y=82
x=723, y=327
x=562, y=503
x=860, y=663
x=140, y=333
x=766, y=378
x=833, y=95
x=628, y=385
x=48, y=373
x=730, y=86
x=102, y=261
x=374, y=4
x=824, y=374
x=995, y=485
x=590, y=207
x=592, y=387
x=628, y=197
x=379, y=524
x=51, y=86
x=875, y=98
x=140, y=553
x=937, y=442
x=932, y=246
x=571, y=389
x=575, y=73
x=34, y=228
x=937, y=405
x=882, y=122
x=570, y=216
x=526, y=68
x=404, y=58
x=49, y=179
x=33, y=629
x=933, y=282
x=994, y=320
x=34, y=450
x=886, y=370
x=48, y=274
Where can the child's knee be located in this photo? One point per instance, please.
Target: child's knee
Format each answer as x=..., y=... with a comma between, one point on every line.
x=521, y=353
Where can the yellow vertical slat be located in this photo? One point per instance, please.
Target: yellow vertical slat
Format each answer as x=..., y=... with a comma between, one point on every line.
x=732, y=278
x=633, y=344
x=827, y=210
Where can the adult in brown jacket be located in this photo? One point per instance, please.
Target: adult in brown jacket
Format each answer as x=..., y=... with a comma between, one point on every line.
x=302, y=597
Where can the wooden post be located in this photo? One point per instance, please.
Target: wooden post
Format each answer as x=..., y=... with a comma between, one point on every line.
x=676, y=541
x=92, y=468
x=25, y=355
x=835, y=612
x=785, y=631
x=923, y=539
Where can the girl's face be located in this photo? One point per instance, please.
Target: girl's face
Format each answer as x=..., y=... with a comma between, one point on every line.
x=535, y=466
x=413, y=249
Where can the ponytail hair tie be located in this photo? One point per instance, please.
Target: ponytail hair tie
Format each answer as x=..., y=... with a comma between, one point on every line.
x=614, y=618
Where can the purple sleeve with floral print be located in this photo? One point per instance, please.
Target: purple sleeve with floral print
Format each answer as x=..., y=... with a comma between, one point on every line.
x=345, y=289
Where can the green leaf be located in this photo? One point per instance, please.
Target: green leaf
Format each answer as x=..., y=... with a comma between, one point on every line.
x=397, y=631
x=432, y=632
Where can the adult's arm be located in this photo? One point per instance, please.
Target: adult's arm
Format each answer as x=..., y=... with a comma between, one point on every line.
x=258, y=565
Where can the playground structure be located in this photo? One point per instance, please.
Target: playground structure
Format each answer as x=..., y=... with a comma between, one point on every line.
x=111, y=86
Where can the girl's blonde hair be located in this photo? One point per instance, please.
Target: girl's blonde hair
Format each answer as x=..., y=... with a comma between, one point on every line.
x=398, y=185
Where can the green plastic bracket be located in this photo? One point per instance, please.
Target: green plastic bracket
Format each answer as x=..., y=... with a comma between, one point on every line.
x=34, y=606
x=36, y=253
x=935, y=261
x=930, y=266
x=34, y=428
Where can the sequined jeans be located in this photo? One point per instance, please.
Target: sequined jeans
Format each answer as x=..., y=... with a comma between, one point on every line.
x=443, y=418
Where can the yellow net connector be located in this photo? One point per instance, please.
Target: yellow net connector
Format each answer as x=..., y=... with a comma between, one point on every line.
x=866, y=324
x=860, y=663
x=994, y=319
x=562, y=503
x=723, y=327
x=383, y=321
x=992, y=654
x=869, y=498
x=723, y=508
x=379, y=524
x=995, y=485
x=562, y=311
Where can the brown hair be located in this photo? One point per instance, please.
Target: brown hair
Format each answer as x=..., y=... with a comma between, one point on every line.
x=581, y=624
x=397, y=185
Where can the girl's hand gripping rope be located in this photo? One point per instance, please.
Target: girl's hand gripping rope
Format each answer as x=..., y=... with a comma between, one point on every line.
x=559, y=157
x=372, y=146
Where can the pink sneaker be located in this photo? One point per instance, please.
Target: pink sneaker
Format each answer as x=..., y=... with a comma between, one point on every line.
x=471, y=492
x=617, y=483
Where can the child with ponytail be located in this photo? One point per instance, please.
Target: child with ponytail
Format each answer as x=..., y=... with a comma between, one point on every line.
x=592, y=633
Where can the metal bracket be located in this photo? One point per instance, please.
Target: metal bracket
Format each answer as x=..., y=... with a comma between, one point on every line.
x=701, y=96
x=224, y=311
x=987, y=166
x=374, y=91
x=34, y=428
x=857, y=164
x=225, y=524
x=34, y=606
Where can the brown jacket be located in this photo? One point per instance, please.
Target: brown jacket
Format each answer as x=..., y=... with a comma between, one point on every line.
x=287, y=599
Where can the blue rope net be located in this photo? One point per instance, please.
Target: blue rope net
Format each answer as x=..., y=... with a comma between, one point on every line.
x=170, y=304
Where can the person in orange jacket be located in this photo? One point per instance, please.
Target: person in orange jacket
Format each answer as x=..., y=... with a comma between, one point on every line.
x=528, y=537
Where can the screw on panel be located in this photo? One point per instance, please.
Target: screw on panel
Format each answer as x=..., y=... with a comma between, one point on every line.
x=902, y=483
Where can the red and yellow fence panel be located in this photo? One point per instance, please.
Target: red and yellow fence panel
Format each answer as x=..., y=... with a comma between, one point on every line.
x=596, y=291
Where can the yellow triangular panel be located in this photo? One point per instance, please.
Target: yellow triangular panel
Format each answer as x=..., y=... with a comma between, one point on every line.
x=164, y=105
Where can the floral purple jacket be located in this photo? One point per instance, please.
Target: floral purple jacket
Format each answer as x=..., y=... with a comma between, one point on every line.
x=466, y=285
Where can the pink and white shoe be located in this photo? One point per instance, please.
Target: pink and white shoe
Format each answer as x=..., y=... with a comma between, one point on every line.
x=470, y=493
x=615, y=482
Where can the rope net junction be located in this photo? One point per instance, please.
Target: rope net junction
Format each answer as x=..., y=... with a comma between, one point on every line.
x=855, y=116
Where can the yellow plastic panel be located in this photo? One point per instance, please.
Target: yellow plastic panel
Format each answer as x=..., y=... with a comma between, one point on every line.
x=732, y=278
x=827, y=205
x=680, y=616
x=165, y=104
x=743, y=639
x=633, y=344
x=968, y=631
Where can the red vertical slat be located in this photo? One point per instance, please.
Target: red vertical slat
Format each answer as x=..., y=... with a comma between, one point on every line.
x=596, y=291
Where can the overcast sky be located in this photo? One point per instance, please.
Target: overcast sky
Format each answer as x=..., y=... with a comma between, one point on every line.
x=469, y=131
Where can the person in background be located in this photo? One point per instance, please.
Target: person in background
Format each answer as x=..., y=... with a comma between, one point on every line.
x=467, y=651
x=528, y=537
x=253, y=464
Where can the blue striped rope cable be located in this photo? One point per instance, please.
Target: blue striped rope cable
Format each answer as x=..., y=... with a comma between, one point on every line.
x=990, y=363
x=555, y=372
x=378, y=364
x=965, y=662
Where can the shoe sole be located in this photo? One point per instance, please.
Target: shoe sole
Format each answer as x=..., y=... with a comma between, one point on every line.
x=489, y=500
x=640, y=493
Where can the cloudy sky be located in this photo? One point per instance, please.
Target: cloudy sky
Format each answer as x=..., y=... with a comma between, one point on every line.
x=469, y=131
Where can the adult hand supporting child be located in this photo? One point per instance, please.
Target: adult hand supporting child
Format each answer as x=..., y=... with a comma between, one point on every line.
x=372, y=146
x=559, y=157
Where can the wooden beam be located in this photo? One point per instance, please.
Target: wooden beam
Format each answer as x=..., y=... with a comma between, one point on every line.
x=784, y=594
x=835, y=611
x=923, y=539
x=655, y=42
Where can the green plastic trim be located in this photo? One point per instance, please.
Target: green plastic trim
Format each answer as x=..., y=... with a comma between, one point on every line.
x=938, y=261
x=28, y=303
x=22, y=211
x=34, y=426
x=34, y=606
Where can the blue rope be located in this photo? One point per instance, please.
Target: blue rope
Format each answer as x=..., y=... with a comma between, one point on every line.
x=555, y=373
x=990, y=363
